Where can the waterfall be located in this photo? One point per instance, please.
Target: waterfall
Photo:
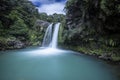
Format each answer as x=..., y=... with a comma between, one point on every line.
x=48, y=36
x=51, y=38
x=55, y=36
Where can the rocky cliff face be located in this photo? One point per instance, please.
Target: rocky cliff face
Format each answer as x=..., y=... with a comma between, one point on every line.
x=94, y=26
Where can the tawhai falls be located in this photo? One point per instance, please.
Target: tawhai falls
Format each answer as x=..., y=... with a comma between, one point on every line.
x=59, y=39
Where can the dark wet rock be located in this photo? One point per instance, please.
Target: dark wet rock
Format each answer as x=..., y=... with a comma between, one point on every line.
x=19, y=44
x=15, y=44
x=105, y=57
x=41, y=25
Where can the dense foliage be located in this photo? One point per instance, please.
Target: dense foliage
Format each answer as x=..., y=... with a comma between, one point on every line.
x=51, y=18
x=93, y=26
x=17, y=23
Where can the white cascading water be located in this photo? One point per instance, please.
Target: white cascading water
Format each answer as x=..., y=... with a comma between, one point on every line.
x=55, y=36
x=50, y=40
x=48, y=36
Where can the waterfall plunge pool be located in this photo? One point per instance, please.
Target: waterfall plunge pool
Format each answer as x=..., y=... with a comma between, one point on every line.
x=49, y=64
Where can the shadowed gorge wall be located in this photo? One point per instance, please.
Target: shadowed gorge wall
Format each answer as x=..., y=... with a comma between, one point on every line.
x=93, y=27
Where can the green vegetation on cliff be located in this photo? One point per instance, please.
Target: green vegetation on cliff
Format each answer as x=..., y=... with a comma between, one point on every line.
x=93, y=26
x=18, y=19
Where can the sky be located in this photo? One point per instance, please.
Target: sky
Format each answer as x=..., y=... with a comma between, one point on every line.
x=49, y=6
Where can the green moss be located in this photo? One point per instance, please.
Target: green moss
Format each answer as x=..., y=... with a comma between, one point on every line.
x=36, y=43
x=107, y=51
x=3, y=40
x=60, y=36
x=90, y=51
x=116, y=58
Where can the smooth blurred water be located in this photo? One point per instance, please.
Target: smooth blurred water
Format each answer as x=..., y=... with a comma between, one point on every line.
x=48, y=36
x=50, y=64
x=55, y=36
